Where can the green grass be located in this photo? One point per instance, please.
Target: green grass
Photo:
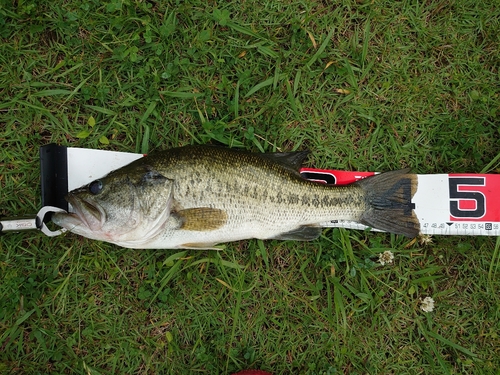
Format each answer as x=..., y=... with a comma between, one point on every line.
x=364, y=85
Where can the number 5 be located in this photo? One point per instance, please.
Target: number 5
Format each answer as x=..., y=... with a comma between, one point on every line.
x=456, y=195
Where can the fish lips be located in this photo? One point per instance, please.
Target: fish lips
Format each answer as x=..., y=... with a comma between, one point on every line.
x=86, y=212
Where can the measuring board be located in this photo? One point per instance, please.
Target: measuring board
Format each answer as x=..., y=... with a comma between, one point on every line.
x=446, y=204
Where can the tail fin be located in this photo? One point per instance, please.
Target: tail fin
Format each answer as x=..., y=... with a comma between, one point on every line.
x=389, y=198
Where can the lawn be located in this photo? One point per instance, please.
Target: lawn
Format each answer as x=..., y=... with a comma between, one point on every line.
x=365, y=85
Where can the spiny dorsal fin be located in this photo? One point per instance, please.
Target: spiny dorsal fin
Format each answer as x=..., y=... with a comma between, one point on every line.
x=293, y=160
x=202, y=218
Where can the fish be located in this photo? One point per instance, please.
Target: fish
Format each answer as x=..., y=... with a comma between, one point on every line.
x=195, y=197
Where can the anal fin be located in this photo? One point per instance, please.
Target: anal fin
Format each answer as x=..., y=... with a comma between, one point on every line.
x=200, y=246
x=303, y=233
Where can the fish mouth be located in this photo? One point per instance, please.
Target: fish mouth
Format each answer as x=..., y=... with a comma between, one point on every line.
x=88, y=213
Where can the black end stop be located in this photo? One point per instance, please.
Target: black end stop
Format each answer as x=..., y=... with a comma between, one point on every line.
x=54, y=175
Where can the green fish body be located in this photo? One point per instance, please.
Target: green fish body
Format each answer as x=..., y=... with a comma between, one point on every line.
x=199, y=196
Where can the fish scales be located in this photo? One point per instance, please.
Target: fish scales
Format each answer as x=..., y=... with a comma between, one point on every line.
x=243, y=184
x=199, y=196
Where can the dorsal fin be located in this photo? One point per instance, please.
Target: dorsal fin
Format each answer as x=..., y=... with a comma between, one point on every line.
x=292, y=160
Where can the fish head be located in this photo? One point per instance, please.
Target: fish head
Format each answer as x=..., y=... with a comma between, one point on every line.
x=129, y=204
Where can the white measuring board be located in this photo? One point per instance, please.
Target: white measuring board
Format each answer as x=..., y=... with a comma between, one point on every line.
x=446, y=204
x=455, y=204
x=86, y=165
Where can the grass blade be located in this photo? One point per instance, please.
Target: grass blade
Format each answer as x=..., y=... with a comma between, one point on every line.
x=244, y=30
x=321, y=48
x=236, y=99
x=53, y=92
x=261, y=85
x=103, y=110
x=451, y=344
x=495, y=261
x=181, y=94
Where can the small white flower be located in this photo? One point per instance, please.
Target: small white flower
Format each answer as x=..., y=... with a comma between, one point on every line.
x=427, y=304
x=425, y=239
x=386, y=257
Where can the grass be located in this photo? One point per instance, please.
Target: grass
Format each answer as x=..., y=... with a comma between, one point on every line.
x=364, y=85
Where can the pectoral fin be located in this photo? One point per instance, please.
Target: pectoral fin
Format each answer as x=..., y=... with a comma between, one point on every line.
x=202, y=218
x=304, y=233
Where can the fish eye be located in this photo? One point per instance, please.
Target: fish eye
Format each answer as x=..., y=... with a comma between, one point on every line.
x=95, y=187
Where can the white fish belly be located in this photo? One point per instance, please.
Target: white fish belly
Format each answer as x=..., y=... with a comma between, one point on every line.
x=260, y=225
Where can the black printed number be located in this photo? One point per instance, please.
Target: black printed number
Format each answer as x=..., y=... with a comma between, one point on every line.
x=327, y=178
x=456, y=196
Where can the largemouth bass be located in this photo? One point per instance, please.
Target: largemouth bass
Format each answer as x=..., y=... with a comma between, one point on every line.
x=195, y=197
